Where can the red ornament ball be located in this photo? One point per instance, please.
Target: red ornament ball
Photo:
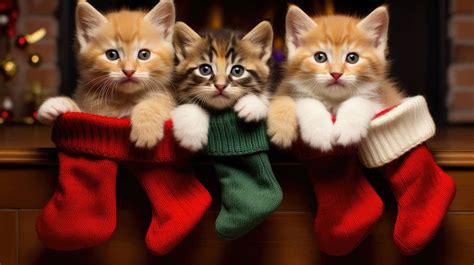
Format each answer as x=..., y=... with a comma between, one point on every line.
x=21, y=42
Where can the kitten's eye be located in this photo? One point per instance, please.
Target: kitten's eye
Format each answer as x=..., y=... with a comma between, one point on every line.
x=144, y=54
x=237, y=71
x=352, y=58
x=112, y=55
x=320, y=57
x=205, y=69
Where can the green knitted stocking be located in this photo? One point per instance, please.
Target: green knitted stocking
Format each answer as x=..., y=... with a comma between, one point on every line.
x=250, y=192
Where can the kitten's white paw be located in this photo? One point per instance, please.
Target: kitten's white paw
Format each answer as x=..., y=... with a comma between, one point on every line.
x=190, y=126
x=146, y=134
x=252, y=108
x=347, y=132
x=53, y=107
x=353, y=120
x=315, y=124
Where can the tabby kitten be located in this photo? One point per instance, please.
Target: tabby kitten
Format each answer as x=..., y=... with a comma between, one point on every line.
x=126, y=59
x=220, y=70
x=336, y=66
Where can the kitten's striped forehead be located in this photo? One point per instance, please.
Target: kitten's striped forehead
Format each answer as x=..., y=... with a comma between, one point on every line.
x=221, y=44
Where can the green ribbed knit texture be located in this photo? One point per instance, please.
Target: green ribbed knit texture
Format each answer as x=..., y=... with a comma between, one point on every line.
x=250, y=192
x=228, y=135
x=249, y=189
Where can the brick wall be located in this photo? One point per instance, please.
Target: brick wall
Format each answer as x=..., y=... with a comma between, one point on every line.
x=461, y=70
x=35, y=14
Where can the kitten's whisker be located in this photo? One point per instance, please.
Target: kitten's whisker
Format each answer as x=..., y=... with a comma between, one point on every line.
x=97, y=82
x=103, y=90
x=155, y=86
x=85, y=84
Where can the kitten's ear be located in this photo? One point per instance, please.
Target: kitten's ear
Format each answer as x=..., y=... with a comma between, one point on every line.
x=163, y=16
x=183, y=38
x=297, y=23
x=262, y=36
x=376, y=25
x=88, y=19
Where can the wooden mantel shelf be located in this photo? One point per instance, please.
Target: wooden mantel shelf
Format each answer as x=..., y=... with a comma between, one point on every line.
x=31, y=145
x=29, y=174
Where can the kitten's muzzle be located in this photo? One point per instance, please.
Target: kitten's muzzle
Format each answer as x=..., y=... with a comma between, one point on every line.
x=128, y=73
x=336, y=75
x=336, y=79
x=220, y=88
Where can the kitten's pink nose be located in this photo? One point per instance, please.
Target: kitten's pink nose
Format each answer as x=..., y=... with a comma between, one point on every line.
x=336, y=75
x=220, y=87
x=128, y=73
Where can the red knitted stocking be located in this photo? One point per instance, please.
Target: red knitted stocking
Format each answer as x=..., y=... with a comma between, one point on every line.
x=423, y=192
x=82, y=211
x=348, y=206
x=178, y=202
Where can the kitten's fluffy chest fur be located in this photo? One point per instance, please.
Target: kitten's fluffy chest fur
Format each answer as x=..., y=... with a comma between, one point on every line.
x=332, y=100
x=118, y=104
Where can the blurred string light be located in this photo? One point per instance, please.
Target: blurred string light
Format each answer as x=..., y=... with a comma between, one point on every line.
x=8, y=68
x=216, y=17
x=4, y=20
x=329, y=4
x=35, y=60
x=22, y=41
x=36, y=36
x=6, y=109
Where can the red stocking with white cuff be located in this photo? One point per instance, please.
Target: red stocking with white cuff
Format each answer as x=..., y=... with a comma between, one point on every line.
x=395, y=146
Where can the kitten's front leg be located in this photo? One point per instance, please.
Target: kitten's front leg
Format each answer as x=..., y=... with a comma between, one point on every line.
x=53, y=107
x=315, y=123
x=353, y=119
x=282, y=122
x=252, y=108
x=190, y=126
x=148, y=118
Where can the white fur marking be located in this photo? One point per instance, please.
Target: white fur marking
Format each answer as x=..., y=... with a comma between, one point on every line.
x=252, y=108
x=52, y=108
x=190, y=126
x=353, y=119
x=315, y=123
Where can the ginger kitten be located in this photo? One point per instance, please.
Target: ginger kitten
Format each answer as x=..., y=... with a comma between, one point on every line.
x=222, y=69
x=126, y=60
x=336, y=66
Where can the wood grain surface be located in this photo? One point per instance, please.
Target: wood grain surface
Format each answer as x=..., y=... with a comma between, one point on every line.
x=28, y=176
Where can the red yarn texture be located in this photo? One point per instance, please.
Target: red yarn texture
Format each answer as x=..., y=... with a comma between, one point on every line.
x=348, y=207
x=83, y=133
x=82, y=210
x=423, y=192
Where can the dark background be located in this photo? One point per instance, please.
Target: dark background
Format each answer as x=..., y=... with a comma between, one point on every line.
x=417, y=37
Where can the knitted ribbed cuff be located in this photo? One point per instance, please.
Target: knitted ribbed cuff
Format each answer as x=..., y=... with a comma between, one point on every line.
x=228, y=135
x=396, y=132
x=84, y=133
